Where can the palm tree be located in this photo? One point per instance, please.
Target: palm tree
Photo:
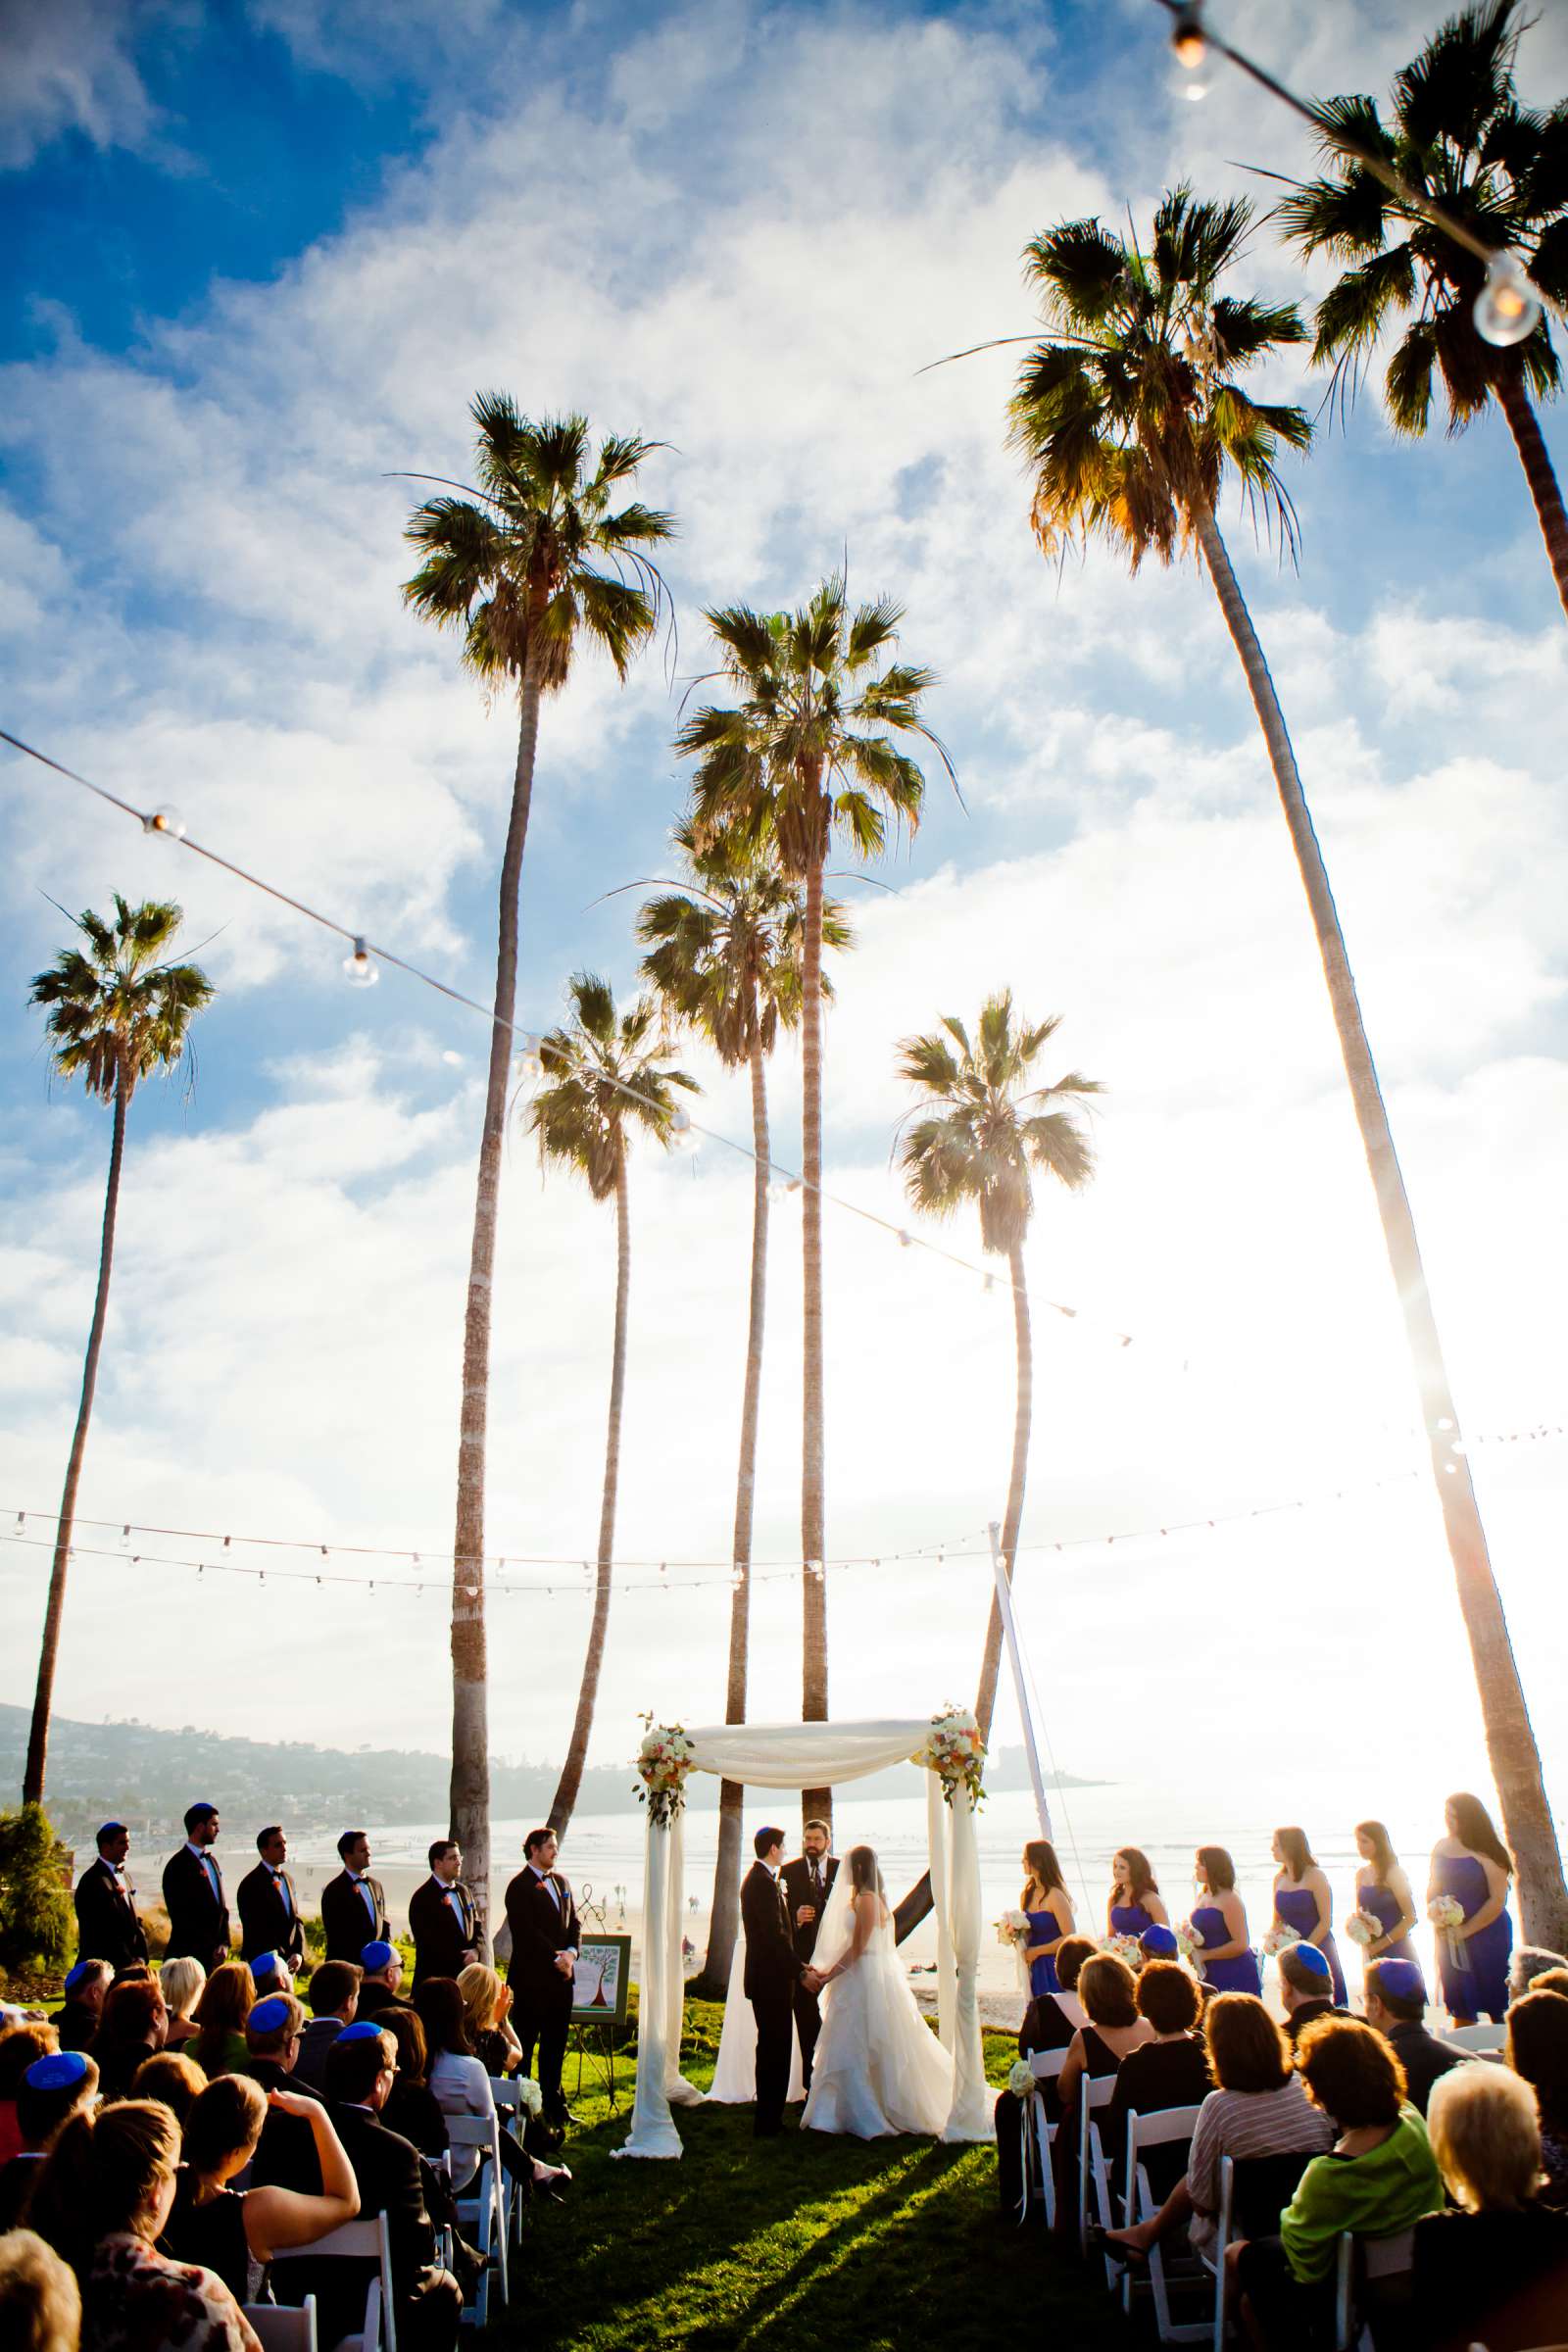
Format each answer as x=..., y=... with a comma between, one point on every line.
x=808, y=755
x=983, y=1129
x=116, y=1015
x=1129, y=424
x=724, y=955
x=529, y=566
x=1460, y=137
x=602, y=1075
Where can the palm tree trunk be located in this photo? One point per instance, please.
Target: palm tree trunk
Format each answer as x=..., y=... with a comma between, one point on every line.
x=1513, y=399
x=565, y=1797
x=49, y=1651
x=471, y=1726
x=815, y=1804
x=714, y=1979
x=1510, y=1742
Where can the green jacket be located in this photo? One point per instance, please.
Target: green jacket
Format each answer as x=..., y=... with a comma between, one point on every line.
x=1376, y=2195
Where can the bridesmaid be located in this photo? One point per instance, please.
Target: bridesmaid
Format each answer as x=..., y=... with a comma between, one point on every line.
x=1230, y=1964
x=1049, y=1906
x=1135, y=1904
x=1383, y=1889
x=1303, y=1901
x=1473, y=1865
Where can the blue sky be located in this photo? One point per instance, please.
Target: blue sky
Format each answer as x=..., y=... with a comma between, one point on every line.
x=256, y=259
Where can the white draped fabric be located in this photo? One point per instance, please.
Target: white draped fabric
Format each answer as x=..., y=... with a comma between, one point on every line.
x=803, y=1755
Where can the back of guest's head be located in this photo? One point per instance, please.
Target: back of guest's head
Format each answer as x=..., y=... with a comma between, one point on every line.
x=1485, y=2134
x=1383, y=1857
x=133, y=2011
x=480, y=1987
x=1246, y=2051
x=1294, y=1852
x=227, y=1999
x=1071, y=1953
x=133, y=1972
x=1305, y=1970
x=102, y=2175
x=227, y=2120
x=1470, y=1822
x=1529, y=1961
x=1217, y=1868
x=443, y=2017
x=1168, y=1996
x=1108, y=1990
x=331, y=1986
x=865, y=1872
x=1137, y=1879
x=406, y=2030
x=19, y=2045
x=1397, y=1984
x=173, y=2079
x=182, y=1980
x=1552, y=1979
x=53, y=2087
x=347, y=1843
x=40, y=2302
x=273, y=2025
x=763, y=1843
x=354, y=2061
x=1536, y=2050
x=538, y=1838
x=1040, y=1861
x=1350, y=2071
x=87, y=1977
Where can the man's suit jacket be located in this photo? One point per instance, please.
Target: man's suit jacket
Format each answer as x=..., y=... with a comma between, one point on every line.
x=310, y=2067
x=797, y=1878
x=107, y=1925
x=267, y=1924
x=440, y=1934
x=541, y=1927
x=772, y=1963
x=198, y=1919
x=348, y=1923
x=374, y=1998
x=387, y=2170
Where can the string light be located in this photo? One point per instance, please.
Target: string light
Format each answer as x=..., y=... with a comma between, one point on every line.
x=1191, y=48
x=360, y=969
x=531, y=1057
x=166, y=822
x=1507, y=308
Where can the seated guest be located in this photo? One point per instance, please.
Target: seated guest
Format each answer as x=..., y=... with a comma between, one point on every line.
x=487, y=2004
x=380, y=1978
x=1536, y=2050
x=1498, y=2268
x=78, y=2016
x=1379, y=2178
x=228, y=1998
x=1158, y=1942
x=274, y=2031
x=19, y=2045
x=1397, y=2005
x=1257, y=2107
x=1552, y=1980
x=1049, y=2023
x=101, y=2201
x=133, y=2027
x=47, y=2098
x=1171, y=2071
x=361, y=2069
x=461, y=2086
x=107, y=1925
x=1529, y=1961
x=1307, y=1988
x=334, y=1998
x=181, y=1983
x=269, y=1975
x=170, y=2077
x=412, y=2108
x=227, y=2229
x=40, y=2302
x=1109, y=1992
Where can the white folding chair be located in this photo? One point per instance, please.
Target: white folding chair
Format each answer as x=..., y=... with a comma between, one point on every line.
x=510, y=2110
x=366, y=2240
x=1386, y=2263
x=1285, y=2173
x=1171, y=2126
x=1478, y=2041
x=279, y=2327
x=481, y=2205
x=1045, y=2066
x=1093, y=2092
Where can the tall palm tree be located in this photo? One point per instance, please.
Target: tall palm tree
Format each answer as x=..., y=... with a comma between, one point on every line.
x=1460, y=137
x=534, y=563
x=724, y=954
x=805, y=756
x=117, y=1014
x=1130, y=422
x=981, y=1133
x=604, y=1076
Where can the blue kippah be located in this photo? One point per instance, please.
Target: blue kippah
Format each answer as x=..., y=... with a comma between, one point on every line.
x=360, y=2031
x=269, y=2015
x=265, y=1964
x=376, y=1955
x=78, y=1974
x=1310, y=1957
x=1402, y=1978
x=110, y=1829
x=1158, y=1944
x=58, y=2071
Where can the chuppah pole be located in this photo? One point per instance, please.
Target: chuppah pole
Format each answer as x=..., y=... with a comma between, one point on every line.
x=1019, y=1680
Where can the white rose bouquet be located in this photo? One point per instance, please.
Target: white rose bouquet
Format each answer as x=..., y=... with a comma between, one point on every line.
x=1188, y=1944
x=1013, y=1929
x=1021, y=2078
x=529, y=2096
x=1124, y=1947
x=1279, y=1938
x=1446, y=1914
x=1363, y=1927
x=955, y=1751
x=663, y=1761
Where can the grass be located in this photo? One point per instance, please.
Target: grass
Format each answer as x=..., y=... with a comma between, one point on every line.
x=753, y=2246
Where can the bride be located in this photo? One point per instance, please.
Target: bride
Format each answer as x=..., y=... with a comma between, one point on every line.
x=878, y=2067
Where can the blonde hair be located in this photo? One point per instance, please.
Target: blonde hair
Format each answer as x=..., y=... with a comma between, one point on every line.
x=480, y=1987
x=182, y=1980
x=1485, y=2134
x=40, y=2302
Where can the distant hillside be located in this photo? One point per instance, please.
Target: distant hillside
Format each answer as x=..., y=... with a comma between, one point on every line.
x=147, y=1776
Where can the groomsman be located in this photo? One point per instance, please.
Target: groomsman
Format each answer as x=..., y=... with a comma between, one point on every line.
x=442, y=1918
x=193, y=1893
x=107, y=1925
x=808, y=1882
x=545, y=1935
x=772, y=1971
x=269, y=1907
x=353, y=1904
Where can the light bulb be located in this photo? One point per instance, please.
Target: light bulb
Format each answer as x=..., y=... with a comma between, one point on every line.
x=681, y=1136
x=359, y=969
x=904, y=1241
x=124, y=1539
x=1190, y=51
x=167, y=822
x=531, y=1062
x=1507, y=308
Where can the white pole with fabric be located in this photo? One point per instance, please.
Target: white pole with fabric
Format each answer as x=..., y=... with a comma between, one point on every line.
x=973, y=2101
x=652, y=2128
x=1020, y=1680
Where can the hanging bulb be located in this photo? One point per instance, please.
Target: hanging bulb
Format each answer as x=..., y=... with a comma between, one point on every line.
x=904, y=1241
x=1190, y=51
x=530, y=1061
x=124, y=1539
x=1507, y=308
x=167, y=822
x=359, y=969
x=681, y=1137
x=778, y=1190
x=21, y=1518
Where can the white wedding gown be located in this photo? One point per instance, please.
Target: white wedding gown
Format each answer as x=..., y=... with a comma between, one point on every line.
x=878, y=2067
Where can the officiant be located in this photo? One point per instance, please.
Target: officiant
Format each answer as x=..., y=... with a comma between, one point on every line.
x=808, y=1882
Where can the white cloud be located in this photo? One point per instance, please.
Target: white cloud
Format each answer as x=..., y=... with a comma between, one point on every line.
x=69, y=65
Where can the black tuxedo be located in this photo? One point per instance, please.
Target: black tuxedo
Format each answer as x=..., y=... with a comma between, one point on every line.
x=348, y=1923
x=107, y=1925
x=441, y=1933
x=542, y=1914
x=266, y=1923
x=806, y=1882
x=390, y=2182
x=374, y=1998
x=772, y=1974
x=198, y=1919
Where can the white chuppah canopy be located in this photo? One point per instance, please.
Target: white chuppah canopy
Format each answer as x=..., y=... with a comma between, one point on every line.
x=808, y=1755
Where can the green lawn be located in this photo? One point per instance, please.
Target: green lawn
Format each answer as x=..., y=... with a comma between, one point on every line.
x=801, y=2241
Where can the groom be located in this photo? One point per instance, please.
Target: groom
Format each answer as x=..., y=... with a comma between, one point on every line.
x=808, y=1882
x=772, y=1969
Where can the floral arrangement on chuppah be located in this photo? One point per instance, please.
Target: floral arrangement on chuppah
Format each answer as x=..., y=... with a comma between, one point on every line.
x=664, y=1762
x=955, y=1751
